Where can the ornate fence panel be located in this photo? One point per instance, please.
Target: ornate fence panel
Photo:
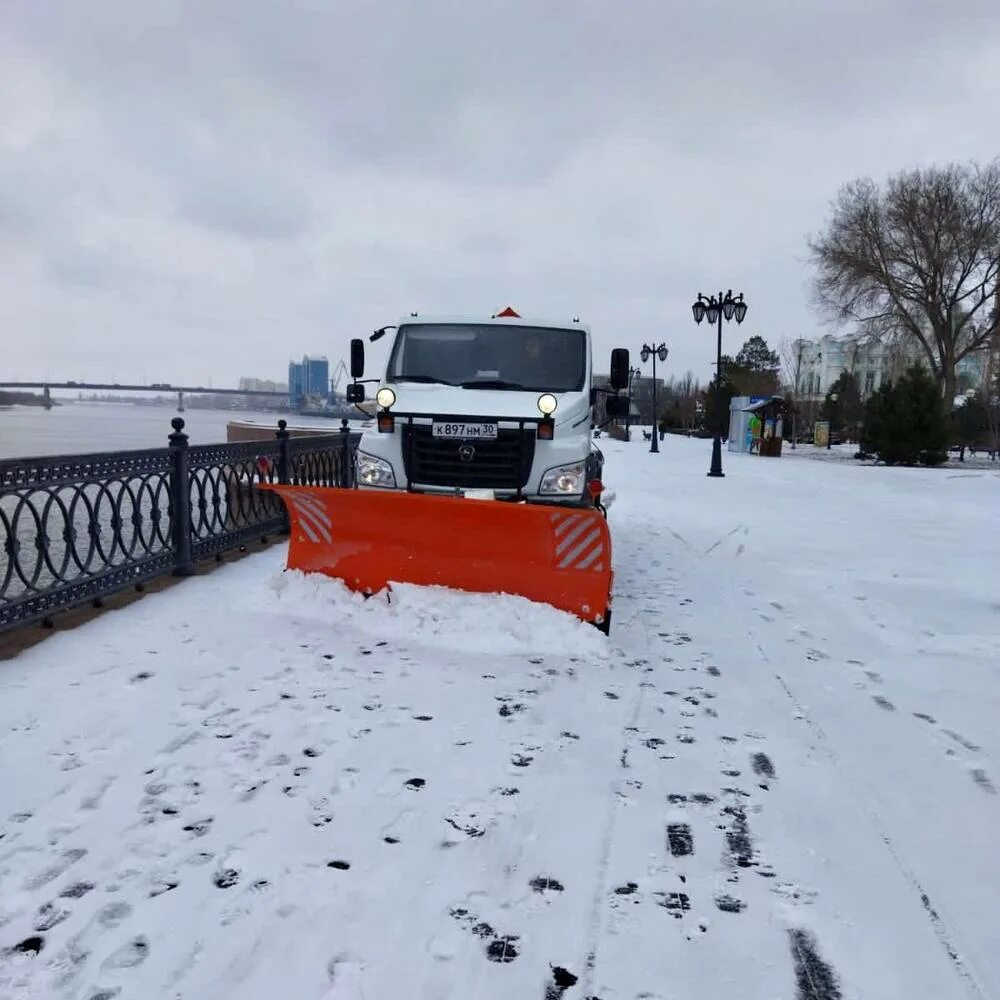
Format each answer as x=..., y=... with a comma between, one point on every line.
x=77, y=528
x=227, y=509
x=74, y=528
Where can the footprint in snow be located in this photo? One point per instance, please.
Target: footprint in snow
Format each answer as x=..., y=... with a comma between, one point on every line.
x=545, y=883
x=49, y=916
x=677, y=903
x=129, y=955
x=794, y=894
x=56, y=869
x=980, y=777
x=679, y=839
x=762, y=765
x=730, y=904
x=77, y=890
x=30, y=946
x=562, y=980
x=226, y=878
x=113, y=914
x=958, y=738
x=503, y=949
x=161, y=886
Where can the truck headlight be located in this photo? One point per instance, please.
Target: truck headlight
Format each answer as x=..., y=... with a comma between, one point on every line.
x=374, y=471
x=547, y=404
x=564, y=480
x=385, y=397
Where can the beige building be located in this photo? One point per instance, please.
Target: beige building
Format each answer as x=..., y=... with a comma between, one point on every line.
x=815, y=365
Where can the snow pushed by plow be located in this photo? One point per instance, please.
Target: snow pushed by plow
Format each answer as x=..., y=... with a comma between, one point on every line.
x=436, y=616
x=777, y=778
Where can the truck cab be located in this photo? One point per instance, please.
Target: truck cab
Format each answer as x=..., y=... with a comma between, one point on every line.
x=499, y=408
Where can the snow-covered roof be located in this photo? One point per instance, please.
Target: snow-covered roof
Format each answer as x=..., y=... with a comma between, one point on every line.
x=760, y=404
x=568, y=323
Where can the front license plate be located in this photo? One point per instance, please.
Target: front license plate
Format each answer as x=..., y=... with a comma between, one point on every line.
x=464, y=431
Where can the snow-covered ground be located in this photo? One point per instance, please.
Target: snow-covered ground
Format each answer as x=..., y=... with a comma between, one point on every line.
x=777, y=779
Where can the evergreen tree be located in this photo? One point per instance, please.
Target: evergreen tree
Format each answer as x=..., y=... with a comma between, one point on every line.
x=756, y=356
x=845, y=414
x=755, y=369
x=905, y=423
x=970, y=423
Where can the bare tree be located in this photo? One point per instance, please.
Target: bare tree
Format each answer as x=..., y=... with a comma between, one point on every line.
x=919, y=256
x=793, y=370
x=792, y=366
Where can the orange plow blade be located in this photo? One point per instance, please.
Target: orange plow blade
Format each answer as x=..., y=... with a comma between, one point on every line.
x=554, y=555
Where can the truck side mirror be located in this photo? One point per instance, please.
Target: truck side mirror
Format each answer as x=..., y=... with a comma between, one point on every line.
x=355, y=393
x=357, y=358
x=619, y=368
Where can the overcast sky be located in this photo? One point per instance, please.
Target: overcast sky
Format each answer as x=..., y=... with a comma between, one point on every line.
x=194, y=191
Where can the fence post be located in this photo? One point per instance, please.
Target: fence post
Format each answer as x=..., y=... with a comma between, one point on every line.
x=282, y=436
x=180, y=499
x=345, y=454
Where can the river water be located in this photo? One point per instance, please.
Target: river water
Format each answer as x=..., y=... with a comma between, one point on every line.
x=75, y=428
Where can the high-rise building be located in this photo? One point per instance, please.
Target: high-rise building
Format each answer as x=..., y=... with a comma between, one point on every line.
x=316, y=376
x=296, y=383
x=309, y=377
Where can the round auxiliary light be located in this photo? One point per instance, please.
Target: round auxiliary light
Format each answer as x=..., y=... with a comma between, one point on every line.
x=385, y=397
x=547, y=404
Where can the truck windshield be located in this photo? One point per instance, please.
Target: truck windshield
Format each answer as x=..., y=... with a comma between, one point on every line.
x=535, y=359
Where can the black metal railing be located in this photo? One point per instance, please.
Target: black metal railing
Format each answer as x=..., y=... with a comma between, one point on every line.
x=75, y=529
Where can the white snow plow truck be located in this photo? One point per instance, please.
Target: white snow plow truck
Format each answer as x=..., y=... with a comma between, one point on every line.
x=481, y=471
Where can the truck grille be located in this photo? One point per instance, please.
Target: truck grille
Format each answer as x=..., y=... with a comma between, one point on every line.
x=503, y=464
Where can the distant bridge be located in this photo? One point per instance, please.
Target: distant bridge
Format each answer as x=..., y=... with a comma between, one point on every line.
x=155, y=387
x=47, y=388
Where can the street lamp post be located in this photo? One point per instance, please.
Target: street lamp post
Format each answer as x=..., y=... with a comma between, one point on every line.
x=660, y=352
x=717, y=308
x=829, y=420
x=633, y=372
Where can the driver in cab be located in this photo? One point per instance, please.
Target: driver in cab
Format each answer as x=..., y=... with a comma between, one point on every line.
x=533, y=367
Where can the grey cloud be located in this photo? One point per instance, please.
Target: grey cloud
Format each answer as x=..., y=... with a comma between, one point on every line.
x=241, y=179
x=251, y=207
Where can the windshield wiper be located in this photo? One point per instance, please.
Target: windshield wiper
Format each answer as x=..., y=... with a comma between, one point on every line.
x=406, y=377
x=490, y=383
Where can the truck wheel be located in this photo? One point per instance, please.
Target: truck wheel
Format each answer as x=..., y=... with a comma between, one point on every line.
x=604, y=626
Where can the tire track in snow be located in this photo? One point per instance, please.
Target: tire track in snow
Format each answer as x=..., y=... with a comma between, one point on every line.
x=943, y=932
x=601, y=887
x=940, y=928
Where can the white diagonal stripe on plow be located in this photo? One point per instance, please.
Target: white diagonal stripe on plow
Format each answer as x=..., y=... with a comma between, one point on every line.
x=311, y=523
x=304, y=525
x=318, y=508
x=590, y=557
x=568, y=521
x=580, y=525
x=578, y=550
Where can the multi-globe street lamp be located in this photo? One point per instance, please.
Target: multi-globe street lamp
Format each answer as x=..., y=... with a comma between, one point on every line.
x=661, y=351
x=715, y=309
